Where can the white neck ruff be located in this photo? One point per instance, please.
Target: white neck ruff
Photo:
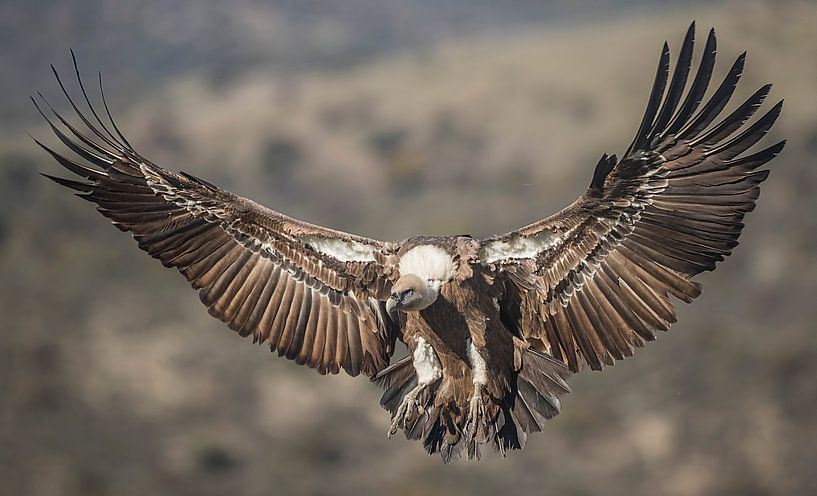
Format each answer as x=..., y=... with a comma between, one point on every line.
x=428, y=262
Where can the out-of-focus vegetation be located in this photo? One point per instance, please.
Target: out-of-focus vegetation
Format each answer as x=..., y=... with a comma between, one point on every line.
x=387, y=119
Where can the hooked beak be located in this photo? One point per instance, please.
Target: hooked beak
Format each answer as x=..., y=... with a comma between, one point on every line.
x=391, y=307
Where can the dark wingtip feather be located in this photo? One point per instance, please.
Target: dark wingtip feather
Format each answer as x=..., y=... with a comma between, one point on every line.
x=78, y=169
x=699, y=85
x=85, y=139
x=75, y=185
x=79, y=113
x=678, y=83
x=116, y=143
x=603, y=168
x=33, y=138
x=658, y=87
x=750, y=136
x=735, y=120
x=75, y=147
x=108, y=112
x=37, y=105
x=717, y=102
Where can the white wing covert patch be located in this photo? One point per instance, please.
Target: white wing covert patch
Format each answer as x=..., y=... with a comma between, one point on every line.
x=343, y=250
x=517, y=247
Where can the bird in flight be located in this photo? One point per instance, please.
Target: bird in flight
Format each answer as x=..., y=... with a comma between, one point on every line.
x=493, y=326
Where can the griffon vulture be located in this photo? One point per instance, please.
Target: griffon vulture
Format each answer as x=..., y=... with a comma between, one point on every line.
x=494, y=326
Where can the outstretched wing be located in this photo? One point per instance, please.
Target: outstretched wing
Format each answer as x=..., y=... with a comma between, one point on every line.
x=593, y=281
x=314, y=294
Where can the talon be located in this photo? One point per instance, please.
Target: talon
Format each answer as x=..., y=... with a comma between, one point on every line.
x=403, y=413
x=392, y=429
x=476, y=411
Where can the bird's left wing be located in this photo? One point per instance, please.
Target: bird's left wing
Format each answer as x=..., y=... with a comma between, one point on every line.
x=593, y=281
x=314, y=294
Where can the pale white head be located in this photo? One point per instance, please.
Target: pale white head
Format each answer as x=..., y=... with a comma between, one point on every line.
x=424, y=269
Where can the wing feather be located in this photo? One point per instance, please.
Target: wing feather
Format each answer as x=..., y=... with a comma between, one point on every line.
x=244, y=322
x=671, y=208
x=679, y=80
x=304, y=289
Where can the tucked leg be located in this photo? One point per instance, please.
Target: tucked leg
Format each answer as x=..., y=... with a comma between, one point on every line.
x=428, y=369
x=479, y=377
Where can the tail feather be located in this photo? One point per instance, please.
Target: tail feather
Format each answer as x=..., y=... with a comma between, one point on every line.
x=397, y=379
x=533, y=399
x=395, y=373
x=510, y=436
x=524, y=410
x=539, y=384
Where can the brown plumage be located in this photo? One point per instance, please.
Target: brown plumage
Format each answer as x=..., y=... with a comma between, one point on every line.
x=493, y=326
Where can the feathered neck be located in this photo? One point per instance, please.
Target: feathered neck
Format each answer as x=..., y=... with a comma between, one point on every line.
x=429, y=262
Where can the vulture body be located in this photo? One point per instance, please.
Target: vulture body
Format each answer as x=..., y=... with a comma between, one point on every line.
x=494, y=326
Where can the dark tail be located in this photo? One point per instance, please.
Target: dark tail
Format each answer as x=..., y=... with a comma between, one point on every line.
x=525, y=409
x=533, y=400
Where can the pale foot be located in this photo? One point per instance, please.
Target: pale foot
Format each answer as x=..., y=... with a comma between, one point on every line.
x=407, y=406
x=476, y=411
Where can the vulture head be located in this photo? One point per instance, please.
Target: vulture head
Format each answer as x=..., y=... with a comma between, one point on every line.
x=412, y=293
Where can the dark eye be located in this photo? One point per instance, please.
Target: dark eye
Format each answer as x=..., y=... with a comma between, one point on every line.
x=405, y=293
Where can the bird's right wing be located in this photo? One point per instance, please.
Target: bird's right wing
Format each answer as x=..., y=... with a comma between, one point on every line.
x=593, y=281
x=313, y=294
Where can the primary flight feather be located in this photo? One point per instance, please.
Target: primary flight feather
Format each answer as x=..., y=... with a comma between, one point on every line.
x=494, y=326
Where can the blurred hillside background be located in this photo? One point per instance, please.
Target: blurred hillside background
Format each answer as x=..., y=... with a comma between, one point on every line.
x=386, y=118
